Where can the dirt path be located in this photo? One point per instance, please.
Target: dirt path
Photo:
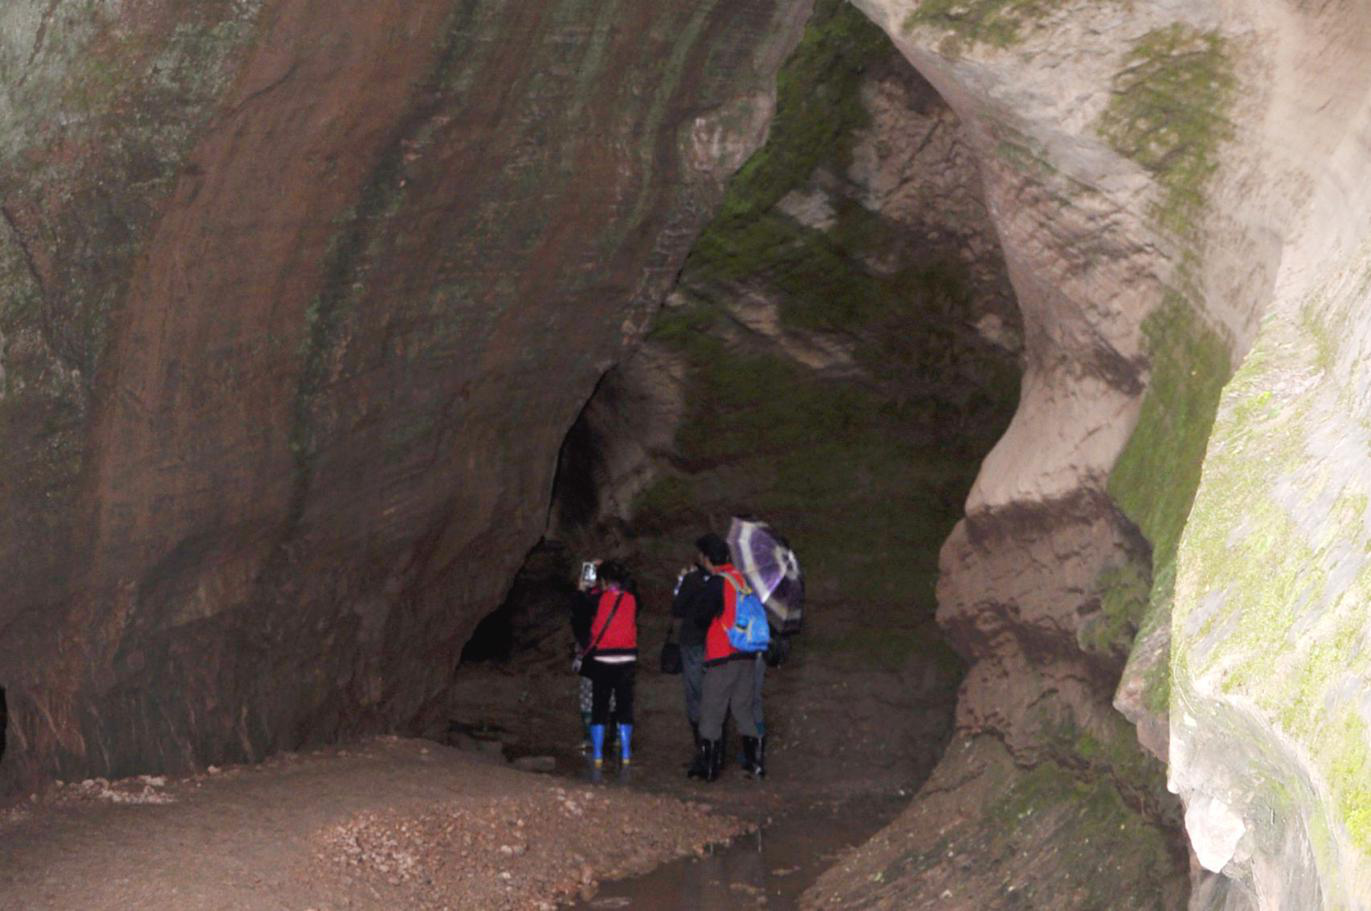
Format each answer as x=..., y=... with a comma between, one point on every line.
x=392, y=824
x=855, y=720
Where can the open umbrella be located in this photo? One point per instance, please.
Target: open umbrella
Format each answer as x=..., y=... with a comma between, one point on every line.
x=771, y=569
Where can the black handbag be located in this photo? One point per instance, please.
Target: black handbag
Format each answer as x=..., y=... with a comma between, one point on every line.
x=671, y=656
x=777, y=650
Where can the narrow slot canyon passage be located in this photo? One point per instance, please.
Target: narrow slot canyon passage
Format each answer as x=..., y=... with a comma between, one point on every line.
x=840, y=352
x=337, y=337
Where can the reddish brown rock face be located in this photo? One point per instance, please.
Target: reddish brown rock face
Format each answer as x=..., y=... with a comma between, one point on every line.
x=379, y=260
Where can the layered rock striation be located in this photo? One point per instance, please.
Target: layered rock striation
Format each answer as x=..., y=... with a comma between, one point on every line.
x=297, y=300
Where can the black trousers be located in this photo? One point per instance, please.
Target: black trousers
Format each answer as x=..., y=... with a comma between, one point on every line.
x=616, y=679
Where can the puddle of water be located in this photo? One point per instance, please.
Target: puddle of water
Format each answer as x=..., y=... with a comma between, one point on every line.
x=770, y=868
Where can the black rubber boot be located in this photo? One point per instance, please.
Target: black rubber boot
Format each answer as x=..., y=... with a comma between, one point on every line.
x=754, y=749
x=715, y=750
x=695, y=733
x=704, y=761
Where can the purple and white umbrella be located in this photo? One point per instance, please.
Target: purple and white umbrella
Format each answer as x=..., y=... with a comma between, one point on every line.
x=772, y=571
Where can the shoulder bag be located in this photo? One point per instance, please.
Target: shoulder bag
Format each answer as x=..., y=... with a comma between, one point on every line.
x=578, y=663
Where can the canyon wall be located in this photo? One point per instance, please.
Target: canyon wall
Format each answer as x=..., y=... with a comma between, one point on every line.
x=1174, y=184
x=1271, y=747
x=297, y=301
x=1103, y=134
x=299, y=297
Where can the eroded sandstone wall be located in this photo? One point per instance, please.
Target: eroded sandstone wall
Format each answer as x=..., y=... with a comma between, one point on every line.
x=1271, y=744
x=1175, y=184
x=1142, y=260
x=297, y=300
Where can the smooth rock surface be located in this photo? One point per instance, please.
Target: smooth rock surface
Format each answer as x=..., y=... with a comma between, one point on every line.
x=299, y=299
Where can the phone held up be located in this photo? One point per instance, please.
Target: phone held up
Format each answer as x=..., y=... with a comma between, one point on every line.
x=588, y=573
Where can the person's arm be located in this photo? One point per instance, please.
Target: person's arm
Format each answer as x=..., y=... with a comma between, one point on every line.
x=583, y=604
x=683, y=599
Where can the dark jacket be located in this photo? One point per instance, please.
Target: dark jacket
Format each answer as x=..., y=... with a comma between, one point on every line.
x=583, y=605
x=691, y=605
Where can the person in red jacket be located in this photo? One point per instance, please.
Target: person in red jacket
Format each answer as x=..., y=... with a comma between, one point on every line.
x=611, y=658
x=729, y=674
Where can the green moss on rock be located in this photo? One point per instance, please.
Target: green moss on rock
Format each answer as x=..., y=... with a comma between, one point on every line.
x=866, y=463
x=1124, y=591
x=1350, y=779
x=998, y=23
x=1263, y=616
x=1169, y=113
x=1155, y=479
x=818, y=113
x=1106, y=834
x=840, y=466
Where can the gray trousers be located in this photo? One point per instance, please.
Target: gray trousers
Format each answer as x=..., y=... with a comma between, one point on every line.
x=730, y=686
x=692, y=679
x=759, y=670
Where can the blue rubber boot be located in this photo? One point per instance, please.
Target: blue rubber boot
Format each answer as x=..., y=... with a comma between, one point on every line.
x=625, y=743
x=597, y=743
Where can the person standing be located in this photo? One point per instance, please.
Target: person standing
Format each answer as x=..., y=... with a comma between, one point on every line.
x=729, y=674
x=583, y=607
x=611, y=658
x=691, y=587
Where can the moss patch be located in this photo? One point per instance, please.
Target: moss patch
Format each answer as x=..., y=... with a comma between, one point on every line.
x=841, y=467
x=997, y=23
x=1124, y=592
x=1348, y=770
x=1169, y=113
x=1105, y=835
x=818, y=114
x=1155, y=479
x=1260, y=616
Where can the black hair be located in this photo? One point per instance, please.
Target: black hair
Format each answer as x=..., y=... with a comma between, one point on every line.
x=614, y=571
x=713, y=547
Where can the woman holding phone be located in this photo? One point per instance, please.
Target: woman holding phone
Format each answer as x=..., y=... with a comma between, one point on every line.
x=609, y=655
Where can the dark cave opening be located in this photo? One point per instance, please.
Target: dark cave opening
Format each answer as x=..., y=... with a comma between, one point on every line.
x=533, y=611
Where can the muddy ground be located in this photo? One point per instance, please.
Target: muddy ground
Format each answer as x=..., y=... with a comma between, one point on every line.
x=856, y=719
x=389, y=824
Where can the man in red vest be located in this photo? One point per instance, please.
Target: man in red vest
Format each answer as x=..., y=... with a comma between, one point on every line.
x=729, y=673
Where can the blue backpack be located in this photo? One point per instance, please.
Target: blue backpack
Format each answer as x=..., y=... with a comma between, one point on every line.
x=750, y=631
